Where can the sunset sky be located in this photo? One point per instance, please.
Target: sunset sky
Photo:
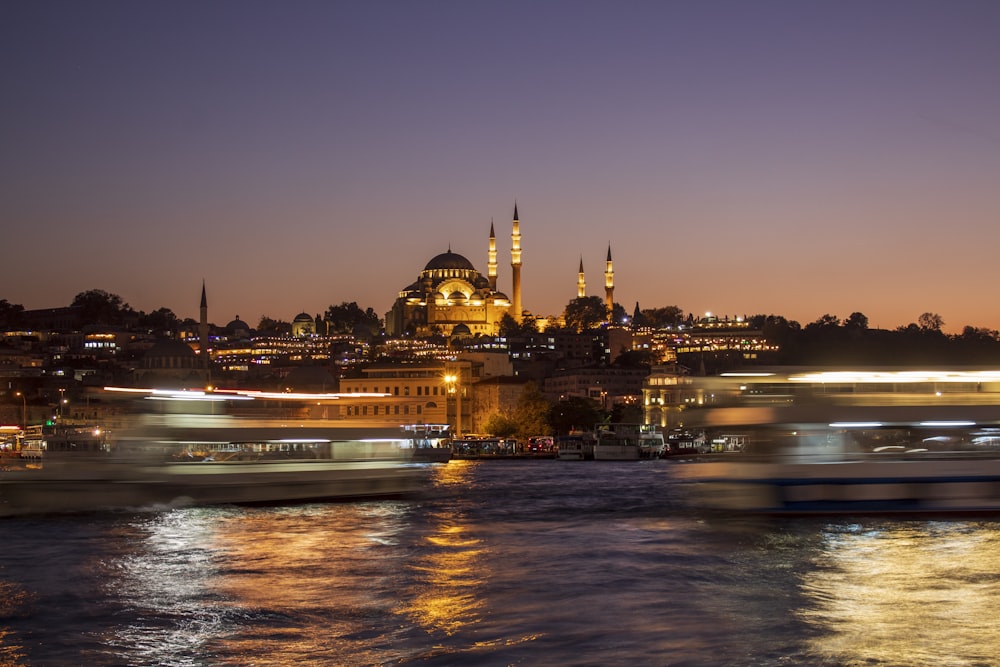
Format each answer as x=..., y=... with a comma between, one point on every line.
x=791, y=158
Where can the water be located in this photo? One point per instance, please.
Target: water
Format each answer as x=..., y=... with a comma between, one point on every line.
x=499, y=563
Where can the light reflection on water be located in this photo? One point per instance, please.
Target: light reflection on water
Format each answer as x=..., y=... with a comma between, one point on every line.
x=519, y=564
x=910, y=592
x=445, y=593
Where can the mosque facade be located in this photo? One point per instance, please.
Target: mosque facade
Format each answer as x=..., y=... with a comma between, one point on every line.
x=450, y=297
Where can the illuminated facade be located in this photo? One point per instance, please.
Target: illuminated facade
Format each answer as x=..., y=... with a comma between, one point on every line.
x=450, y=297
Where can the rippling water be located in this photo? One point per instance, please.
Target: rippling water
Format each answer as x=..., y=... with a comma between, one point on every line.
x=498, y=563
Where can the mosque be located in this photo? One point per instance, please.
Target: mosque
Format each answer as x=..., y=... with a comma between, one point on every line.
x=450, y=297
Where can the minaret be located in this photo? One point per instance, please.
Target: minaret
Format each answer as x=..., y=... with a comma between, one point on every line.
x=581, y=284
x=203, y=327
x=515, y=265
x=491, y=262
x=609, y=286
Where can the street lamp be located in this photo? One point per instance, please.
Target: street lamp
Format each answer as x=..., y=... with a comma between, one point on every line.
x=24, y=409
x=454, y=386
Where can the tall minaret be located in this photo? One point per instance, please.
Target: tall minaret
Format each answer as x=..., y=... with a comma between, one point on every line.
x=581, y=284
x=491, y=262
x=609, y=286
x=203, y=327
x=515, y=265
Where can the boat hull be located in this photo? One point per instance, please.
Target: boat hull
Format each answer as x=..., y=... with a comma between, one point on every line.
x=616, y=452
x=935, y=486
x=83, y=487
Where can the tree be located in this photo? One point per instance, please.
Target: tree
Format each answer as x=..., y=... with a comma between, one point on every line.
x=661, y=318
x=274, y=326
x=856, y=321
x=100, y=307
x=161, y=319
x=930, y=322
x=585, y=313
x=826, y=322
x=10, y=314
x=510, y=327
x=574, y=413
x=343, y=319
x=503, y=426
x=532, y=412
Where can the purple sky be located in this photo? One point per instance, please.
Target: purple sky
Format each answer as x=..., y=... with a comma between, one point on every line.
x=794, y=158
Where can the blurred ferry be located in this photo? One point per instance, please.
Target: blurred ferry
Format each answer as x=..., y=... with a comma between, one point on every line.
x=177, y=458
x=851, y=443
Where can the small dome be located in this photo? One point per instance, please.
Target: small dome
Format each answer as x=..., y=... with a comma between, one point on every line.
x=237, y=325
x=456, y=296
x=170, y=348
x=449, y=260
x=303, y=317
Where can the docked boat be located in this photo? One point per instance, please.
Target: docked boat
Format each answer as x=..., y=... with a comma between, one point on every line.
x=429, y=443
x=627, y=442
x=575, y=447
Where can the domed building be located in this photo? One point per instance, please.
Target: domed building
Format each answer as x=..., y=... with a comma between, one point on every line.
x=303, y=325
x=451, y=293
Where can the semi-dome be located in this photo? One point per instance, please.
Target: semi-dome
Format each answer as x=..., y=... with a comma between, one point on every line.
x=449, y=260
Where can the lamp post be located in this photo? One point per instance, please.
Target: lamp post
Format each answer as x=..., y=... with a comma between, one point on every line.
x=24, y=409
x=454, y=385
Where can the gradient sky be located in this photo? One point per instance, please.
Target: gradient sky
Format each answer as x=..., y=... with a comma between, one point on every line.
x=792, y=158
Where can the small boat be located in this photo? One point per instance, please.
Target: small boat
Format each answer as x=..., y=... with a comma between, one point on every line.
x=575, y=447
x=430, y=443
x=628, y=442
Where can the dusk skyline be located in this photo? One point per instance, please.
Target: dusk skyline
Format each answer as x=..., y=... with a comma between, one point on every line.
x=784, y=158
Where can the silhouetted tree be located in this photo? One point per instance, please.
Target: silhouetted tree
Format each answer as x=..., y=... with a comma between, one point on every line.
x=532, y=412
x=585, y=313
x=10, y=314
x=510, y=327
x=280, y=327
x=343, y=319
x=161, y=319
x=100, y=307
x=660, y=318
x=857, y=321
x=575, y=412
x=930, y=322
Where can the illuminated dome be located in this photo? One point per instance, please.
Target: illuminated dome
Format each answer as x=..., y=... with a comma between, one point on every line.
x=303, y=317
x=449, y=260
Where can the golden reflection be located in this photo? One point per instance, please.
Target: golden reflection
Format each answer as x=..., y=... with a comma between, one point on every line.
x=450, y=575
x=12, y=602
x=907, y=595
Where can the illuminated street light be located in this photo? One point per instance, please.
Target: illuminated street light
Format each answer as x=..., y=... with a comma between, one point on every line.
x=454, y=386
x=24, y=409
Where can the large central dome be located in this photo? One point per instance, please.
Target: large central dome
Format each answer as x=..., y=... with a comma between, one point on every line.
x=449, y=260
